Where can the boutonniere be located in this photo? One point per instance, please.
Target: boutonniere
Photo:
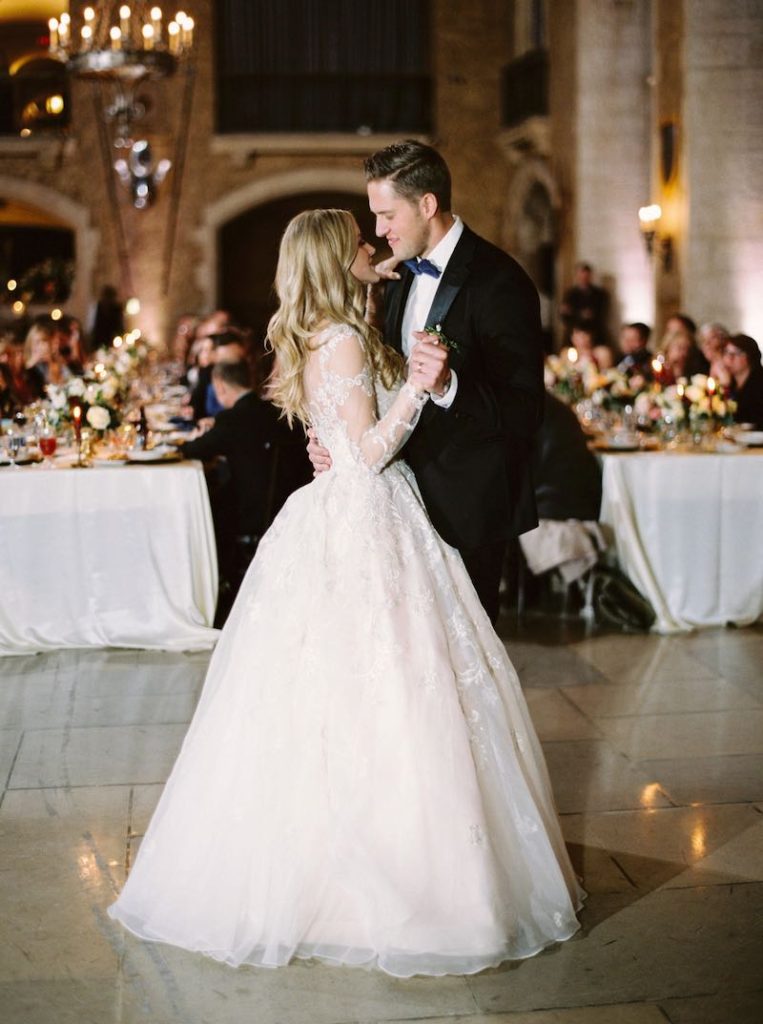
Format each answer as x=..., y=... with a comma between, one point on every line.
x=442, y=338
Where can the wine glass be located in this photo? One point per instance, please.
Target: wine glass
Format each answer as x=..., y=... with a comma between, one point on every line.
x=46, y=438
x=14, y=443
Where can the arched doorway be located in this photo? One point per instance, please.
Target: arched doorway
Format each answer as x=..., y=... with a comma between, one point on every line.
x=248, y=248
x=40, y=224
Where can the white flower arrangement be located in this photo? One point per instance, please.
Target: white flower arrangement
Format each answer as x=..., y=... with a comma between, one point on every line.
x=98, y=417
x=99, y=404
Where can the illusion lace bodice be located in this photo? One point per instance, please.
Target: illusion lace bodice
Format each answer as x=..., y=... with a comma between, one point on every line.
x=362, y=423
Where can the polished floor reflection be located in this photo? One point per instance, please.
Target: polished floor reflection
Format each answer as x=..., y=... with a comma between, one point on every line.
x=655, y=747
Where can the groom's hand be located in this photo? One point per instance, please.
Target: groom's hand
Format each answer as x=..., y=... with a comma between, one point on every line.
x=429, y=364
x=318, y=455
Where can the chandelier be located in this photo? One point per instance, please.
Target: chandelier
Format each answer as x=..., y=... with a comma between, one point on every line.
x=122, y=46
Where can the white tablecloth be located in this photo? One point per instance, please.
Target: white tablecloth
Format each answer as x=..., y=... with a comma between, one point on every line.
x=689, y=533
x=106, y=557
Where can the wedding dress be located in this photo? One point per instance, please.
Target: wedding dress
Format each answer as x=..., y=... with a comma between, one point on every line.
x=361, y=781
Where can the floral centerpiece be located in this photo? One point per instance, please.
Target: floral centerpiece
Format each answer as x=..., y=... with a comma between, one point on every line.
x=564, y=378
x=98, y=401
x=700, y=405
x=612, y=389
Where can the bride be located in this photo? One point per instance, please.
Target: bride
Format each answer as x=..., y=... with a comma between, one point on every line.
x=361, y=781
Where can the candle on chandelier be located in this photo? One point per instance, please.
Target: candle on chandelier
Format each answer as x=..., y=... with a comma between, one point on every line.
x=116, y=38
x=173, y=35
x=148, y=37
x=64, y=26
x=188, y=33
x=87, y=36
x=53, y=29
x=156, y=21
x=124, y=22
x=88, y=14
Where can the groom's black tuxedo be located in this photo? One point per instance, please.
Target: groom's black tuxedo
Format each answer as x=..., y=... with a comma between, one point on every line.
x=472, y=460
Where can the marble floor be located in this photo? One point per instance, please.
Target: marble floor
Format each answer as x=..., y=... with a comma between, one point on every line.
x=655, y=747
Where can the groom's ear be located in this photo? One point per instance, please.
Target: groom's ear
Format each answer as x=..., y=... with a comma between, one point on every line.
x=429, y=205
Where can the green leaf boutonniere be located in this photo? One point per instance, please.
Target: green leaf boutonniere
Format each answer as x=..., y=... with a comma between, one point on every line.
x=442, y=338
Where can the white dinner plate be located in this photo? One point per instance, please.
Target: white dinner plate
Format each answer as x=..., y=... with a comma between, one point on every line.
x=750, y=438
x=159, y=451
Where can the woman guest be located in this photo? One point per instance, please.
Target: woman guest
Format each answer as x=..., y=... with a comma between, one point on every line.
x=681, y=354
x=588, y=353
x=741, y=357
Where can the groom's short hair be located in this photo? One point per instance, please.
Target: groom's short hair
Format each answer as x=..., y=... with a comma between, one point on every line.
x=414, y=169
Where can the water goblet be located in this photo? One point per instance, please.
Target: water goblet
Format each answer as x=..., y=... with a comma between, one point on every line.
x=14, y=444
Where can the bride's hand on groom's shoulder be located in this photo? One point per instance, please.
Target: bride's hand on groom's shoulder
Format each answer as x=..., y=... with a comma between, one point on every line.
x=386, y=269
x=318, y=455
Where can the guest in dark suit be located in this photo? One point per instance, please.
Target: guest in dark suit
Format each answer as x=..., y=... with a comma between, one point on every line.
x=585, y=303
x=471, y=448
x=264, y=462
x=567, y=474
x=637, y=359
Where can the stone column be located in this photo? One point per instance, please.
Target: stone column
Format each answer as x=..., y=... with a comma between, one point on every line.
x=611, y=174
x=723, y=151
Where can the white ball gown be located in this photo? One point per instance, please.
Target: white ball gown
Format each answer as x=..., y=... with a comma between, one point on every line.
x=361, y=781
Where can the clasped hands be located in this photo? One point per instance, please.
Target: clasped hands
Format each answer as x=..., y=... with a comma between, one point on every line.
x=428, y=370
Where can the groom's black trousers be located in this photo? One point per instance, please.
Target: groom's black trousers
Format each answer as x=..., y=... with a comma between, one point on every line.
x=485, y=566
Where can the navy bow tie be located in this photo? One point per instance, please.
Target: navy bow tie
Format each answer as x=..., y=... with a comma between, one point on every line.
x=422, y=267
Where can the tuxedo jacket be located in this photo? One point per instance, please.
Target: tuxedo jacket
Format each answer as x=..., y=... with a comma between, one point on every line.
x=472, y=461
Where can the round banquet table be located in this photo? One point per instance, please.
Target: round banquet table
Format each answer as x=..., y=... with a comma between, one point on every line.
x=688, y=531
x=106, y=557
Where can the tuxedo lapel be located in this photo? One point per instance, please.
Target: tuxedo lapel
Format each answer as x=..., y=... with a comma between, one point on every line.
x=395, y=299
x=453, y=278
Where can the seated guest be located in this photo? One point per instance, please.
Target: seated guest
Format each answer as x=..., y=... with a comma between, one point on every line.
x=589, y=353
x=741, y=357
x=637, y=359
x=19, y=386
x=682, y=357
x=264, y=460
x=224, y=346
x=567, y=481
x=712, y=339
x=42, y=360
x=67, y=340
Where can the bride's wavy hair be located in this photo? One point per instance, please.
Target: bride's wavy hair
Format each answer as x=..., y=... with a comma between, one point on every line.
x=315, y=288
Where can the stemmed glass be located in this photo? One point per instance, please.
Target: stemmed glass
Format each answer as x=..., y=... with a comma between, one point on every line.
x=14, y=443
x=46, y=438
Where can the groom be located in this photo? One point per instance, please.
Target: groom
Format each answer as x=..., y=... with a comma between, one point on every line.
x=470, y=450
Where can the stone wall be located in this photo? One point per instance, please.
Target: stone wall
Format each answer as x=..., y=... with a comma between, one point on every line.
x=617, y=68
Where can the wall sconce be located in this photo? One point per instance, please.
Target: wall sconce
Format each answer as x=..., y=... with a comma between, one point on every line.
x=649, y=221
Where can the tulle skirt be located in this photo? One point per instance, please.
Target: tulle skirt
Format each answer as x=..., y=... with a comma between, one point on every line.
x=361, y=781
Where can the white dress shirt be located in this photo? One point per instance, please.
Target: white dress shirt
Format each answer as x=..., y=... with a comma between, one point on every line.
x=420, y=299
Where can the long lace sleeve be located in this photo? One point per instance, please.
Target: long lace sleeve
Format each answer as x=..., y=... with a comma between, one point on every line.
x=347, y=378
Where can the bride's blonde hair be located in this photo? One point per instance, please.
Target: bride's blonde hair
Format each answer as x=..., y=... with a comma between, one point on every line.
x=315, y=288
